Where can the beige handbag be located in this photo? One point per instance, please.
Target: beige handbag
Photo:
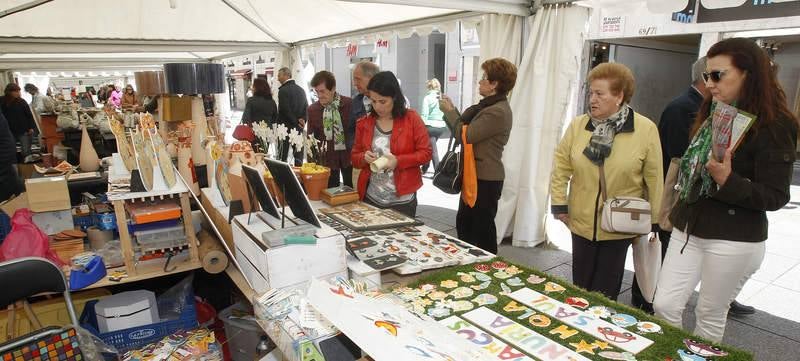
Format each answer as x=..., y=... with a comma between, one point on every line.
x=670, y=195
x=630, y=215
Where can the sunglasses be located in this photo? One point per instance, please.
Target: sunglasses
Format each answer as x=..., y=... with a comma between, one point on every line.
x=715, y=76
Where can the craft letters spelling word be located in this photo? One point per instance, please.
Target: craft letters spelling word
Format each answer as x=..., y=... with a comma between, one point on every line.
x=521, y=337
x=497, y=348
x=576, y=318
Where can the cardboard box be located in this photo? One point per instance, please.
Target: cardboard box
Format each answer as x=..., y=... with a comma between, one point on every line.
x=218, y=212
x=54, y=222
x=47, y=194
x=10, y=206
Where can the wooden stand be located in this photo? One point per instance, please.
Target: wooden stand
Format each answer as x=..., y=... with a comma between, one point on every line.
x=179, y=191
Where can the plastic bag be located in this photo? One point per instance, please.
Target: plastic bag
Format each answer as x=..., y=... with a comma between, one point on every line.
x=172, y=302
x=26, y=240
x=93, y=348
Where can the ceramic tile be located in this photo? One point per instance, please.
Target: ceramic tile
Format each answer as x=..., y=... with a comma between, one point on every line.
x=790, y=279
x=778, y=301
x=773, y=267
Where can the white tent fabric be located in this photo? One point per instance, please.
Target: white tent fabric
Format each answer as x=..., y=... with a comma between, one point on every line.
x=545, y=80
x=202, y=20
x=501, y=36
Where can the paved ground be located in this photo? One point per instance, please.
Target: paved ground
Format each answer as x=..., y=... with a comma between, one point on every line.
x=773, y=333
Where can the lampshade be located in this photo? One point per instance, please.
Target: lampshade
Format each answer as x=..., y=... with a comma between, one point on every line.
x=150, y=83
x=194, y=78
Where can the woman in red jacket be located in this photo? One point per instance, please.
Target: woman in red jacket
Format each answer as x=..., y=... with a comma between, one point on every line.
x=390, y=146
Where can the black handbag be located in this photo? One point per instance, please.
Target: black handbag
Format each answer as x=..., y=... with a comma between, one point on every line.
x=447, y=175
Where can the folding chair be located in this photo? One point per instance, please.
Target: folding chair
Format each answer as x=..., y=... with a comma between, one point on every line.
x=24, y=277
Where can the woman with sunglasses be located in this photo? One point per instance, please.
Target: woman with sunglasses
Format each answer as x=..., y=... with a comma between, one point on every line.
x=720, y=220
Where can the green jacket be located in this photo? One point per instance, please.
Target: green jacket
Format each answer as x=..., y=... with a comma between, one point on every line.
x=430, y=112
x=633, y=169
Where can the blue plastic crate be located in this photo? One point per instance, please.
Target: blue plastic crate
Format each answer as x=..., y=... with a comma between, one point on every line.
x=136, y=337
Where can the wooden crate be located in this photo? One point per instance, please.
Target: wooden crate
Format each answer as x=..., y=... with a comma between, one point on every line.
x=67, y=249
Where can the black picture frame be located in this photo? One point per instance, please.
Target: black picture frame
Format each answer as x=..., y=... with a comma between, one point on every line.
x=256, y=182
x=293, y=192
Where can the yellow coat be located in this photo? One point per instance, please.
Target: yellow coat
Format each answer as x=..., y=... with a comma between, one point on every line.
x=634, y=168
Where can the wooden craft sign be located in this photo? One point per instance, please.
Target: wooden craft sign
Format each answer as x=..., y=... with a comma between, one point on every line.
x=499, y=349
x=520, y=336
x=387, y=331
x=581, y=320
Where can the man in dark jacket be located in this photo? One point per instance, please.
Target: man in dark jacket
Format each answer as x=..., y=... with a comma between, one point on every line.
x=674, y=127
x=292, y=107
x=19, y=117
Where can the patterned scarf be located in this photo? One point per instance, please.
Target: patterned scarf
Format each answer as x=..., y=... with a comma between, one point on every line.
x=332, y=123
x=693, y=164
x=599, y=146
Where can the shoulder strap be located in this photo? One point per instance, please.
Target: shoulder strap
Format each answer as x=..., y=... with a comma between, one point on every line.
x=603, y=182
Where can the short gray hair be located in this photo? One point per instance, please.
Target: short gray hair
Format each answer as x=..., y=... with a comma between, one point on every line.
x=368, y=68
x=285, y=71
x=698, y=68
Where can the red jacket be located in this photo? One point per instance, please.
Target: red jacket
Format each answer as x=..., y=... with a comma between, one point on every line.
x=409, y=143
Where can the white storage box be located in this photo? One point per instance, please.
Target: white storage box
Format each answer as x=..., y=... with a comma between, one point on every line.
x=285, y=265
x=125, y=310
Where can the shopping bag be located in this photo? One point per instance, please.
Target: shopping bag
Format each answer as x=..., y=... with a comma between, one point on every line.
x=647, y=264
x=26, y=240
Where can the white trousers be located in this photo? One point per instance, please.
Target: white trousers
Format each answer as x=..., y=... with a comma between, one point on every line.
x=721, y=266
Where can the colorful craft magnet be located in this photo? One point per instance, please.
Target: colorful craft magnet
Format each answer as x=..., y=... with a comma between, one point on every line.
x=483, y=268
x=501, y=275
x=439, y=312
x=484, y=299
x=460, y=306
x=539, y=320
x=427, y=287
x=551, y=287
x=515, y=282
x=466, y=278
x=614, y=336
x=513, y=270
x=481, y=286
x=461, y=292
x=505, y=289
x=449, y=284
x=422, y=302
x=437, y=295
x=513, y=306
x=623, y=320
x=535, y=280
x=577, y=302
x=444, y=304
x=482, y=277
x=619, y=356
x=499, y=265
x=690, y=356
x=583, y=346
x=601, y=345
x=702, y=349
x=599, y=312
x=648, y=327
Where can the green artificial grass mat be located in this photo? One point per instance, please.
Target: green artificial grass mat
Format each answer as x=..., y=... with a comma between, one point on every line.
x=665, y=346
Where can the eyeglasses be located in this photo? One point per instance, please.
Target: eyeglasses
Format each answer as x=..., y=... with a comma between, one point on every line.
x=715, y=75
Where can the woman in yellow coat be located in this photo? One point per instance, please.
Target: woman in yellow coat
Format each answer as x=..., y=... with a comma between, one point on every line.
x=628, y=145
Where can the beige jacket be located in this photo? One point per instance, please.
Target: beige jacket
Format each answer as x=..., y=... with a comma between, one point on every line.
x=488, y=133
x=634, y=169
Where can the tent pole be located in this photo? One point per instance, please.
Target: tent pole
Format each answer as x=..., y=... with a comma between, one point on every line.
x=255, y=23
x=23, y=7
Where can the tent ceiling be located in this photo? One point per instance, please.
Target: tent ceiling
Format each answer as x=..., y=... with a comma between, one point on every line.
x=184, y=30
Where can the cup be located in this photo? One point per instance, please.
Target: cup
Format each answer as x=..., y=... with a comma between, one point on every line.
x=379, y=164
x=98, y=237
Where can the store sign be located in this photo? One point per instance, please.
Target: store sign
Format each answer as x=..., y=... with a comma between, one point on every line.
x=612, y=25
x=719, y=10
x=352, y=49
x=382, y=46
x=686, y=15
x=452, y=76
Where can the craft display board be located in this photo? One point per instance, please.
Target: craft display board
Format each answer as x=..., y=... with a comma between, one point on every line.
x=420, y=248
x=525, y=314
x=363, y=217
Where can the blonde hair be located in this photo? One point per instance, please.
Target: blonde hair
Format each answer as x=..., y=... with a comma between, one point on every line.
x=434, y=84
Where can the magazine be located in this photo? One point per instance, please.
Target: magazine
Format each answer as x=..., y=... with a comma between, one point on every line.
x=729, y=125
